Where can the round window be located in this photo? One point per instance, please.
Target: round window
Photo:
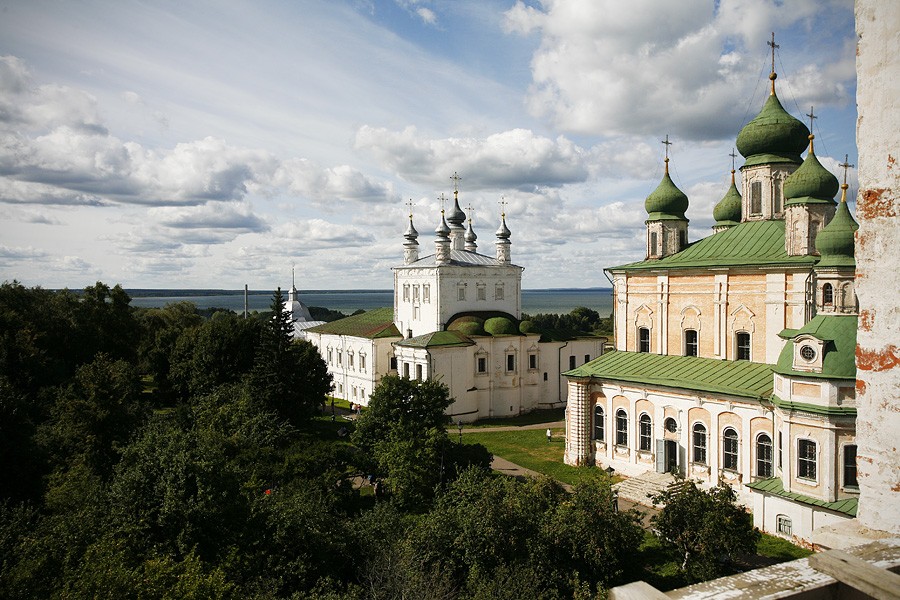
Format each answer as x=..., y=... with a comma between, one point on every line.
x=671, y=425
x=808, y=353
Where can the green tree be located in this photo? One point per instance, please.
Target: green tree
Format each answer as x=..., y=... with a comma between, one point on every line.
x=706, y=527
x=403, y=436
x=161, y=328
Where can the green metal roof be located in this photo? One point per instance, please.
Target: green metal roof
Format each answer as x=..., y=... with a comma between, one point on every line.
x=833, y=411
x=774, y=487
x=438, y=339
x=754, y=243
x=839, y=334
x=372, y=324
x=736, y=378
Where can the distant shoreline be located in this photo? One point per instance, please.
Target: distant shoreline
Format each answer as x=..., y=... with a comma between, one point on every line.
x=177, y=292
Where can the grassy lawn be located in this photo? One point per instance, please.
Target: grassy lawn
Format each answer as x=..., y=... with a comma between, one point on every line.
x=779, y=548
x=551, y=415
x=529, y=448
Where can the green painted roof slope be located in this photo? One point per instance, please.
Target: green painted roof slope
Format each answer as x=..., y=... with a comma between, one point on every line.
x=774, y=487
x=839, y=334
x=755, y=243
x=437, y=339
x=372, y=324
x=736, y=378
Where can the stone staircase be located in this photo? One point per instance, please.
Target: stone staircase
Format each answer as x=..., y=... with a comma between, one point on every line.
x=638, y=489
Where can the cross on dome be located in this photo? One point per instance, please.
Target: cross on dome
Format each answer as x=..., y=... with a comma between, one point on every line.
x=667, y=143
x=773, y=76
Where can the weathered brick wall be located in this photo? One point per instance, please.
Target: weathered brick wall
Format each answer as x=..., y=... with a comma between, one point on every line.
x=878, y=279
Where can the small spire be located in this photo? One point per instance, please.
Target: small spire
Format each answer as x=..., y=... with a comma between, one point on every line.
x=733, y=156
x=812, y=116
x=845, y=165
x=667, y=144
x=773, y=76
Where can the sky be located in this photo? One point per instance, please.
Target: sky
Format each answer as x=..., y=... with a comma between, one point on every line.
x=213, y=144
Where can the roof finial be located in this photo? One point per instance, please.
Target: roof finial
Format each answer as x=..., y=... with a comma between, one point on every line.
x=293, y=281
x=733, y=156
x=471, y=211
x=667, y=144
x=503, y=204
x=773, y=75
x=845, y=165
x=812, y=116
x=456, y=179
x=409, y=205
x=442, y=199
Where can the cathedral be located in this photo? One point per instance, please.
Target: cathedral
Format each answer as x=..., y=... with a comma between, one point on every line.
x=734, y=354
x=457, y=319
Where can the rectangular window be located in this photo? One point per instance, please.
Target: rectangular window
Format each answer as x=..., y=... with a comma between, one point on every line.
x=545, y=376
x=350, y=360
x=691, y=344
x=419, y=372
x=532, y=361
x=340, y=358
x=653, y=248
x=776, y=197
x=806, y=459
x=406, y=292
x=330, y=357
x=461, y=293
x=498, y=292
x=756, y=198
x=742, y=345
x=571, y=362
x=426, y=293
x=482, y=364
x=481, y=293
x=415, y=293
x=362, y=362
x=587, y=358
x=850, y=480
x=783, y=525
x=406, y=370
x=510, y=362
x=643, y=339
x=393, y=363
x=779, y=450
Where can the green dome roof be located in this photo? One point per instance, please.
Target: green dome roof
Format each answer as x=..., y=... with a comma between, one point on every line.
x=666, y=201
x=501, y=326
x=835, y=241
x=728, y=210
x=773, y=136
x=811, y=180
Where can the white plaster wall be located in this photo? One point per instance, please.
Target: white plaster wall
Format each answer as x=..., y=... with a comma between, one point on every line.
x=804, y=518
x=878, y=207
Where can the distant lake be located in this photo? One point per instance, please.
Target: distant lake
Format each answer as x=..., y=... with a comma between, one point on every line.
x=560, y=301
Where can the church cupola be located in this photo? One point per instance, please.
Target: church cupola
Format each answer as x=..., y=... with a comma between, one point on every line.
x=666, y=221
x=471, y=246
x=457, y=217
x=411, y=245
x=771, y=144
x=503, y=243
x=835, y=271
x=809, y=203
x=727, y=212
x=442, y=245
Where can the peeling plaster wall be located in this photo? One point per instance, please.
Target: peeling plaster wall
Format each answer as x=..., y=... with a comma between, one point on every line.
x=878, y=280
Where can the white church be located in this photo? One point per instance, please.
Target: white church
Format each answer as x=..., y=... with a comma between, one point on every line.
x=456, y=319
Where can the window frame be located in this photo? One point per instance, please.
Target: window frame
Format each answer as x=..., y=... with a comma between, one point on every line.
x=845, y=467
x=784, y=525
x=807, y=466
x=510, y=362
x=622, y=427
x=691, y=346
x=599, y=431
x=731, y=458
x=481, y=365
x=762, y=459
x=532, y=361
x=643, y=340
x=743, y=351
x=645, y=433
x=699, y=446
x=756, y=198
x=827, y=295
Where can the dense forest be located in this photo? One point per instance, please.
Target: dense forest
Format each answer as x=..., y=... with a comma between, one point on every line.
x=155, y=453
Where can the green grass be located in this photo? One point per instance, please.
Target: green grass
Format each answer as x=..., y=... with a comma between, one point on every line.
x=529, y=448
x=779, y=548
x=550, y=415
x=658, y=566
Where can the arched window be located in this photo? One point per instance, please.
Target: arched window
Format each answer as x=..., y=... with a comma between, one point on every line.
x=742, y=345
x=763, y=456
x=599, y=433
x=643, y=339
x=756, y=198
x=699, y=443
x=730, y=449
x=827, y=295
x=646, y=432
x=621, y=428
x=690, y=342
x=653, y=242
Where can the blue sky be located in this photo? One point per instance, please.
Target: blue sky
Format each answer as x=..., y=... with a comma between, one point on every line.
x=216, y=144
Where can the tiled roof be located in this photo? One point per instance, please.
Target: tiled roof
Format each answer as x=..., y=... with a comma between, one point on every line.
x=372, y=324
x=755, y=243
x=736, y=378
x=774, y=487
x=436, y=339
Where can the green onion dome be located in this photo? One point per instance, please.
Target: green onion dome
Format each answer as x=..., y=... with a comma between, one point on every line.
x=666, y=201
x=810, y=181
x=773, y=136
x=728, y=210
x=835, y=242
